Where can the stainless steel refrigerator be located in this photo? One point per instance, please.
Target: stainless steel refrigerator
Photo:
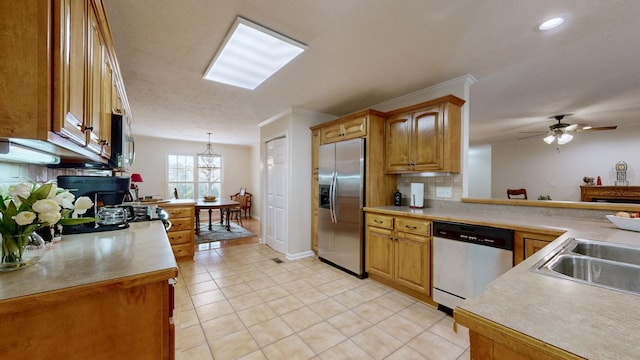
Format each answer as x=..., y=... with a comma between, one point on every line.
x=341, y=194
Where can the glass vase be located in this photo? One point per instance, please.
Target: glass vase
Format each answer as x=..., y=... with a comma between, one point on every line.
x=20, y=250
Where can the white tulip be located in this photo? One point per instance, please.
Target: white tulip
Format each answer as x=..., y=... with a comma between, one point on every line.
x=22, y=190
x=45, y=206
x=65, y=199
x=50, y=217
x=83, y=203
x=24, y=217
x=52, y=192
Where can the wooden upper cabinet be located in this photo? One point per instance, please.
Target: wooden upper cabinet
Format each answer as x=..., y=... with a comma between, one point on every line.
x=58, y=72
x=424, y=137
x=100, y=88
x=345, y=129
x=69, y=113
x=106, y=106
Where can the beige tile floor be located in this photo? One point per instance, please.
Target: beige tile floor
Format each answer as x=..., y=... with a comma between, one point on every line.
x=236, y=302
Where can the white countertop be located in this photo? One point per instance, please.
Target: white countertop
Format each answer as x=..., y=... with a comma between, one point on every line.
x=91, y=258
x=589, y=321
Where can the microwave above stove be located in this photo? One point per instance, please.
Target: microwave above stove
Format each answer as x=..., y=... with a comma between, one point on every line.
x=123, y=146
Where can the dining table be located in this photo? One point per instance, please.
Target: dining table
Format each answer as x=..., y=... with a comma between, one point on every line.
x=220, y=204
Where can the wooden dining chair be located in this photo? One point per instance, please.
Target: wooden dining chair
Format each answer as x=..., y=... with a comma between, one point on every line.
x=236, y=211
x=517, y=194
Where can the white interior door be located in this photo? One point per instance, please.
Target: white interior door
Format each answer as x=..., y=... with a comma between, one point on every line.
x=276, y=217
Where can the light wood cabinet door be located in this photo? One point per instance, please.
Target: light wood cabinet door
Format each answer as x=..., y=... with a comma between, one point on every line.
x=70, y=78
x=427, y=138
x=413, y=261
x=96, y=61
x=379, y=252
x=331, y=134
x=344, y=130
x=354, y=128
x=106, y=106
x=531, y=246
x=527, y=243
x=398, y=143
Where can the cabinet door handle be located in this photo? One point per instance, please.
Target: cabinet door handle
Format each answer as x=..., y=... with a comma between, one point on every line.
x=411, y=227
x=88, y=128
x=378, y=221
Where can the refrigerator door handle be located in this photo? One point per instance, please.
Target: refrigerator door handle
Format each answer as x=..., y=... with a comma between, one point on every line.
x=334, y=183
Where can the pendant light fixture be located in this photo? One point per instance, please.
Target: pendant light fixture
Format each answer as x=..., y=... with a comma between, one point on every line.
x=206, y=159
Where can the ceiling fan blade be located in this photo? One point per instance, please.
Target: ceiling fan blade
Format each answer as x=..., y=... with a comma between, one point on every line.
x=613, y=127
x=530, y=136
x=571, y=127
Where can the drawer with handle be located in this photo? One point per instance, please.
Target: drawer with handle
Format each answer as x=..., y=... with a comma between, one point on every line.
x=179, y=212
x=380, y=221
x=415, y=226
x=180, y=237
x=181, y=224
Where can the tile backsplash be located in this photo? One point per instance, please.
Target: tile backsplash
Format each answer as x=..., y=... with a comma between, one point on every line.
x=431, y=185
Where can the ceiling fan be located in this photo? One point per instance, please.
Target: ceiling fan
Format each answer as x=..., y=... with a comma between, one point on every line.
x=560, y=131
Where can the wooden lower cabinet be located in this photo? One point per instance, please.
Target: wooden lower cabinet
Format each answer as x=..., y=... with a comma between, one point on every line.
x=398, y=253
x=181, y=233
x=122, y=319
x=527, y=243
x=492, y=341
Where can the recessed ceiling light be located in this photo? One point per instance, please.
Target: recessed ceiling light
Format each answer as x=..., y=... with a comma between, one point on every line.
x=551, y=24
x=250, y=54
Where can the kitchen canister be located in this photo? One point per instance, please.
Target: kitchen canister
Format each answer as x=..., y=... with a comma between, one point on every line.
x=397, y=198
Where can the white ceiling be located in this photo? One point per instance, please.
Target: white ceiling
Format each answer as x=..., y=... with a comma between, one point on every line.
x=364, y=52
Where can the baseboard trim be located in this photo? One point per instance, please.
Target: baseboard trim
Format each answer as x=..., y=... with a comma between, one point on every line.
x=300, y=255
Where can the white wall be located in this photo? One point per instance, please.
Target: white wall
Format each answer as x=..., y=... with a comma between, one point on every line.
x=295, y=126
x=239, y=166
x=480, y=171
x=544, y=170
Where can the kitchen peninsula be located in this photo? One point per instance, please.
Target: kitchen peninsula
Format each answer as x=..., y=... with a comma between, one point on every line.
x=525, y=315
x=101, y=295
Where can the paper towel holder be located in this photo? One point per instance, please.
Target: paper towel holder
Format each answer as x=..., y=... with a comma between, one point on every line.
x=416, y=201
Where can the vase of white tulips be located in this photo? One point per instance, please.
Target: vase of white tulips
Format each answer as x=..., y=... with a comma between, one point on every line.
x=27, y=207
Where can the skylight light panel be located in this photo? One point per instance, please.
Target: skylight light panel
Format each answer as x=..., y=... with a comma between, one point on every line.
x=250, y=54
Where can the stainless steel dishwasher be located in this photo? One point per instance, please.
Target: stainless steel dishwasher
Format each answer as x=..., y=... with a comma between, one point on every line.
x=466, y=258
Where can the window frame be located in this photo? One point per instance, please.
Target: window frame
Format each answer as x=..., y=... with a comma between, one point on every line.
x=190, y=187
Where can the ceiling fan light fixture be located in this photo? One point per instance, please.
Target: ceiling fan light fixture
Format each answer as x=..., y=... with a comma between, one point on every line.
x=549, y=138
x=564, y=138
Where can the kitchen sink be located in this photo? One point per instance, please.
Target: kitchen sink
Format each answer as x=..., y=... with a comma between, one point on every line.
x=601, y=250
x=612, y=266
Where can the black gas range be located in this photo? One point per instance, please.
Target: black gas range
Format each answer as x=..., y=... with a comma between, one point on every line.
x=138, y=213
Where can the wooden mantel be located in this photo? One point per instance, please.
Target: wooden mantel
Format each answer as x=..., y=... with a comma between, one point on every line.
x=610, y=193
